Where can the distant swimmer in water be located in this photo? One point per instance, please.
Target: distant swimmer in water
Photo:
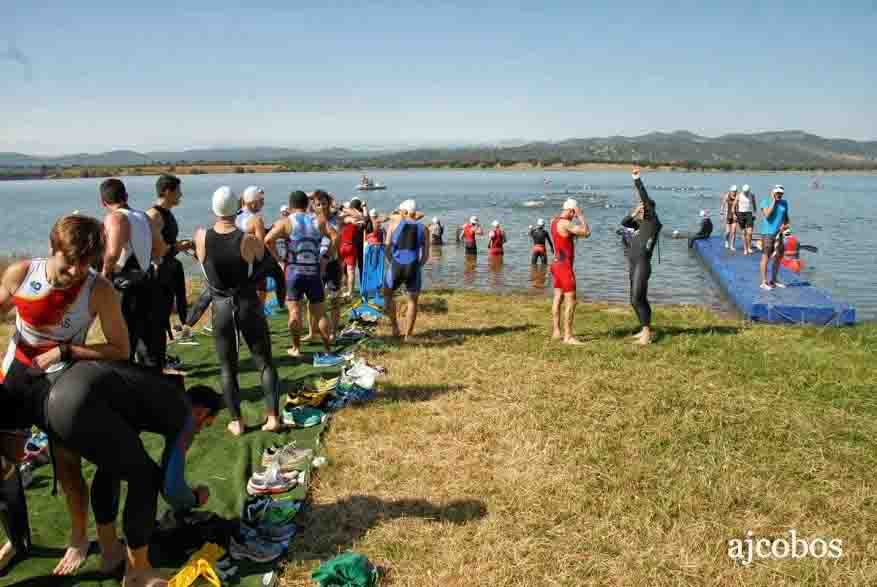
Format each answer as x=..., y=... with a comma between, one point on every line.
x=471, y=230
x=705, y=230
x=436, y=232
x=496, y=240
x=564, y=233
x=540, y=236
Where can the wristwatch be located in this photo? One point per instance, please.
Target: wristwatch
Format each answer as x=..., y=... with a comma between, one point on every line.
x=66, y=353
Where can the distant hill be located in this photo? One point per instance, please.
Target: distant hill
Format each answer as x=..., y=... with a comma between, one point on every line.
x=766, y=150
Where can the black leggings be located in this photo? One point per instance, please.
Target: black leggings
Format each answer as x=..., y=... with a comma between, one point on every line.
x=243, y=313
x=13, y=507
x=99, y=409
x=640, y=271
x=537, y=256
x=142, y=310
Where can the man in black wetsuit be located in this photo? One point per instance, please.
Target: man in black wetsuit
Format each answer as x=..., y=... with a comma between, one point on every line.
x=647, y=228
x=705, y=230
x=170, y=277
x=540, y=236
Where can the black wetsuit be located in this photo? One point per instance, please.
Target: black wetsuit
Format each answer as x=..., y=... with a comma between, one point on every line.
x=13, y=504
x=99, y=409
x=706, y=229
x=540, y=236
x=142, y=310
x=236, y=307
x=642, y=245
x=171, y=276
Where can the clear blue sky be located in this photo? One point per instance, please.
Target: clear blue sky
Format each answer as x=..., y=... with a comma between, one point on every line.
x=87, y=76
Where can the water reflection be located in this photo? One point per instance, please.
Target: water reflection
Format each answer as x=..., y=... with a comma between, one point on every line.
x=495, y=272
x=538, y=275
x=470, y=269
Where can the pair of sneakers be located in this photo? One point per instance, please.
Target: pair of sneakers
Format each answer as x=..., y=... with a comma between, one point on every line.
x=249, y=545
x=274, y=481
x=287, y=458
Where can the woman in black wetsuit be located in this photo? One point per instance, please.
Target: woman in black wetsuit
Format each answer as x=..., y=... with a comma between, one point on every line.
x=233, y=263
x=647, y=227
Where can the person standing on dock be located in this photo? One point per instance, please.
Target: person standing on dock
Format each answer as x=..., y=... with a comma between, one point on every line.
x=564, y=233
x=776, y=219
x=746, y=217
x=728, y=211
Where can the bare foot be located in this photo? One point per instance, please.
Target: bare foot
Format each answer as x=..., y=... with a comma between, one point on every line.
x=572, y=340
x=73, y=558
x=144, y=578
x=272, y=425
x=644, y=340
x=113, y=559
x=293, y=352
x=235, y=427
x=7, y=553
x=556, y=335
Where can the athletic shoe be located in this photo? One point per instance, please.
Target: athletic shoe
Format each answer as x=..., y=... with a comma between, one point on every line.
x=278, y=533
x=779, y=285
x=302, y=417
x=253, y=548
x=271, y=482
x=766, y=286
x=287, y=458
x=727, y=246
x=327, y=360
x=254, y=509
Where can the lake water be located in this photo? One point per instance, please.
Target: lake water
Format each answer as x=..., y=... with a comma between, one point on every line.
x=839, y=219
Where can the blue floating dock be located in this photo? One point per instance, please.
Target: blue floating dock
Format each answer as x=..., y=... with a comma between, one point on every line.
x=799, y=303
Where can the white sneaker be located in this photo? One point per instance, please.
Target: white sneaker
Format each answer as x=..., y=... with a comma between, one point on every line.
x=727, y=246
x=766, y=286
x=779, y=285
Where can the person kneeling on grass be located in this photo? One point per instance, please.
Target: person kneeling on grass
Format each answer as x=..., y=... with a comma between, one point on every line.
x=88, y=413
x=407, y=250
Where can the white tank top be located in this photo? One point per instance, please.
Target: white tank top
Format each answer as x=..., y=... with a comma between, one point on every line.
x=47, y=316
x=242, y=219
x=140, y=244
x=744, y=203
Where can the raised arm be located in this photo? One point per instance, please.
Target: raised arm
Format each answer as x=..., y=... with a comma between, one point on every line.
x=648, y=203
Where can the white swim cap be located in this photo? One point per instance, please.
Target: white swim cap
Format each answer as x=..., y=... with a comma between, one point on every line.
x=540, y=222
x=704, y=213
x=778, y=190
x=733, y=188
x=373, y=213
x=473, y=220
x=570, y=204
x=745, y=188
x=435, y=219
x=253, y=193
x=284, y=208
x=225, y=202
x=495, y=223
x=409, y=206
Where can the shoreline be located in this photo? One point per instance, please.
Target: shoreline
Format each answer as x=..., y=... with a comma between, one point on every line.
x=259, y=168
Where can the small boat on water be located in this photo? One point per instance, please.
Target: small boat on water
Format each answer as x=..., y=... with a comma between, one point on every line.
x=367, y=184
x=533, y=203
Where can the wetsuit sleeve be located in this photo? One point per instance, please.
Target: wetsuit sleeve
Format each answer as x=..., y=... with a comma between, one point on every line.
x=174, y=488
x=629, y=222
x=548, y=239
x=648, y=203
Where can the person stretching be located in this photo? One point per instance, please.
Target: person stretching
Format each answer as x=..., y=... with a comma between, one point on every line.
x=564, y=233
x=234, y=262
x=407, y=250
x=647, y=228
